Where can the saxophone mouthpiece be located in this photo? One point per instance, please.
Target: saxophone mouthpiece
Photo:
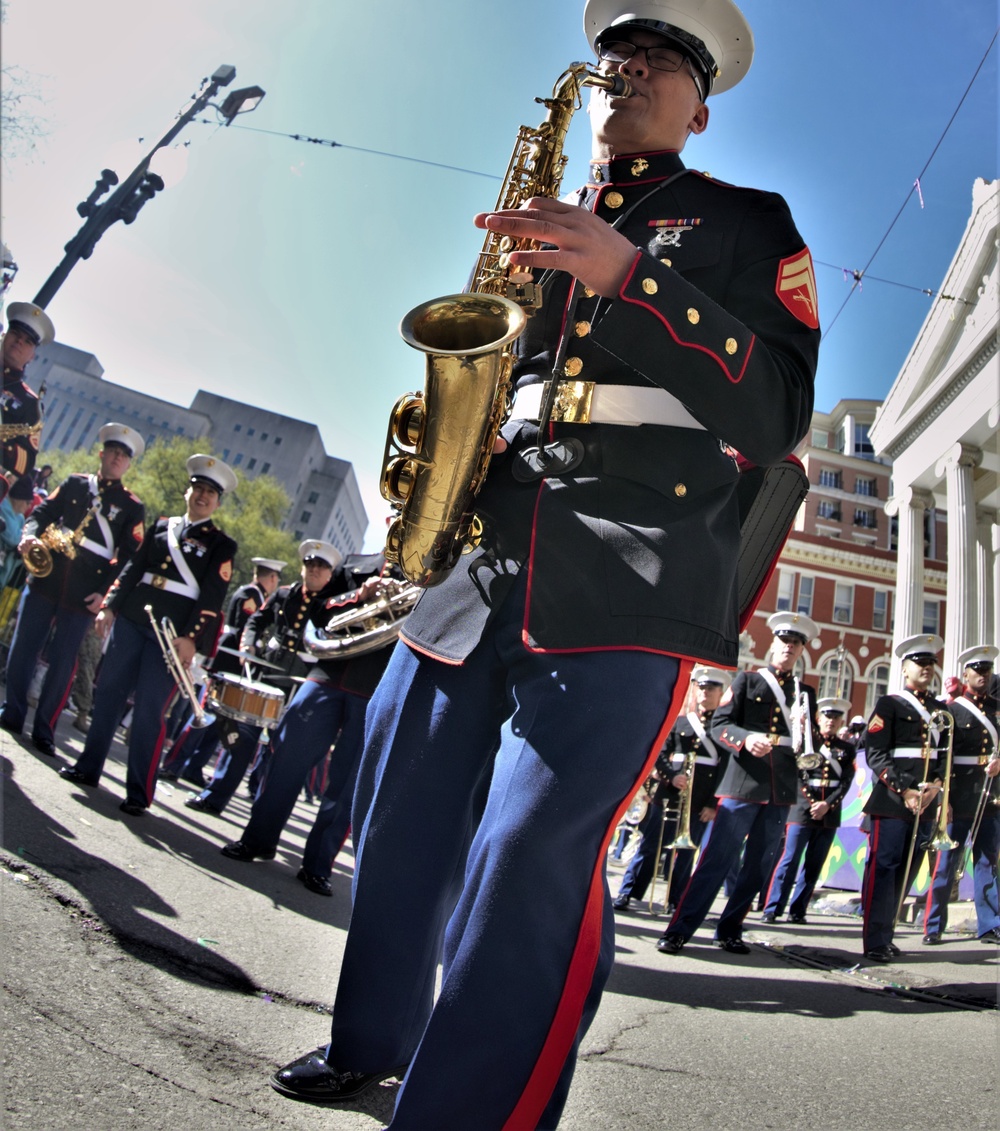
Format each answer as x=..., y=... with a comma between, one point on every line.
x=617, y=85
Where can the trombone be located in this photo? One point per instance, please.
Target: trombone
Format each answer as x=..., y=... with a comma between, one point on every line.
x=940, y=840
x=682, y=830
x=166, y=634
x=984, y=800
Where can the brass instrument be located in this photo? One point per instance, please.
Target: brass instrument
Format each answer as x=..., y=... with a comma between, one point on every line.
x=806, y=755
x=985, y=799
x=55, y=540
x=166, y=634
x=440, y=442
x=363, y=629
x=682, y=830
x=937, y=719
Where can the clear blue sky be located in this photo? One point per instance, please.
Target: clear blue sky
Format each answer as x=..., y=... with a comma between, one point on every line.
x=277, y=272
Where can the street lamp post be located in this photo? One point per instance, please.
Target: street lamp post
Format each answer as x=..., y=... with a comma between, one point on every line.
x=140, y=185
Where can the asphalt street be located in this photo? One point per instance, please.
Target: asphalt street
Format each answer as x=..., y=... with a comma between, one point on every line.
x=150, y=982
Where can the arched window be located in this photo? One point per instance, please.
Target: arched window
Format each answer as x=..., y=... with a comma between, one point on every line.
x=836, y=678
x=878, y=685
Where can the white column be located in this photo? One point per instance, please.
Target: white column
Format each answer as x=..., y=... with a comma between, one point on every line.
x=909, y=505
x=987, y=576
x=961, y=618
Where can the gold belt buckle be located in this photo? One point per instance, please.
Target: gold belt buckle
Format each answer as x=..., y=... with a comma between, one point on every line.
x=572, y=403
x=158, y=582
x=775, y=739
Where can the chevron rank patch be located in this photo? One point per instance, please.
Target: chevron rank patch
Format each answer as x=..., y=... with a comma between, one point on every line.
x=796, y=287
x=877, y=724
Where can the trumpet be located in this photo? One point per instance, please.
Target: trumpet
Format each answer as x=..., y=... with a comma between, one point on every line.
x=55, y=540
x=166, y=634
x=806, y=756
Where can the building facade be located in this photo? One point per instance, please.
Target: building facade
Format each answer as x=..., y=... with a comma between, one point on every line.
x=325, y=499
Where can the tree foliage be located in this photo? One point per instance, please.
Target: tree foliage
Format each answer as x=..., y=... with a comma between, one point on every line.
x=252, y=513
x=21, y=122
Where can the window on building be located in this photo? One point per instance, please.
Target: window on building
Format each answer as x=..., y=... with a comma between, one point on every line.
x=843, y=603
x=237, y=427
x=313, y=498
x=251, y=431
x=866, y=486
x=932, y=617
x=263, y=437
x=835, y=678
x=878, y=685
x=805, y=601
x=305, y=516
x=862, y=445
x=251, y=463
x=265, y=468
x=277, y=439
x=299, y=535
x=827, y=508
x=238, y=460
x=880, y=609
x=820, y=439
x=786, y=590
x=841, y=442
x=865, y=518
x=830, y=477
x=225, y=453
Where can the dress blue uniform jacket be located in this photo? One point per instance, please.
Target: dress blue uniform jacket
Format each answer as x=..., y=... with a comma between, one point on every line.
x=209, y=554
x=73, y=580
x=637, y=546
x=896, y=723
x=827, y=782
x=973, y=746
x=681, y=741
x=20, y=406
x=749, y=707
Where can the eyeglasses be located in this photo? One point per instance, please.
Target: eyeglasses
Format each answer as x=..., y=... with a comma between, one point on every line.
x=658, y=58
x=981, y=667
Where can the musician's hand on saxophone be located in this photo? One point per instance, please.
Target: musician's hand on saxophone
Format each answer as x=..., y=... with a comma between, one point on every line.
x=579, y=242
x=26, y=544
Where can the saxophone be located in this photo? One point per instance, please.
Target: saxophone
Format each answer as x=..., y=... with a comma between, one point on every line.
x=440, y=442
x=55, y=540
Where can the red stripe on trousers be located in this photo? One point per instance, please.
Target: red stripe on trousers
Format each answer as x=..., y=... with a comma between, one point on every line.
x=583, y=962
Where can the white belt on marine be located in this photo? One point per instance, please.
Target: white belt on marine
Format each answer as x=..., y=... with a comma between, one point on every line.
x=169, y=585
x=912, y=752
x=586, y=402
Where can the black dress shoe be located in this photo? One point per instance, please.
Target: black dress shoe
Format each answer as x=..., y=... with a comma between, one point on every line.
x=202, y=806
x=733, y=946
x=44, y=746
x=311, y=1080
x=168, y=775
x=133, y=809
x=991, y=936
x=880, y=954
x=670, y=944
x=237, y=850
x=894, y=950
x=71, y=773
x=932, y=940
x=768, y=917
x=319, y=884
x=621, y=902
x=796, y=918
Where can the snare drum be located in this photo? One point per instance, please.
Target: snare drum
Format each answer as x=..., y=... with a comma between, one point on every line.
x=244, y=700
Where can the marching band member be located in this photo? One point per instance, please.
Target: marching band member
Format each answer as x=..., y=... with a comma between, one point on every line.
x=689, y=738
x=899, y=735
x=754, y=724
x=28, y=326
x=552, y=660
x=328, y=709
x=181, y=570
x=68, y=598
x=815, y=817
x=275, y=631
x=975, y=766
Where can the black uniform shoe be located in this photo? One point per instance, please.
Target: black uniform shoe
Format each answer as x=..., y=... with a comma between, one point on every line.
x=621, y=902
x=670, y=944
x=168, y=775
x=202, y=806
x=880, y=954
x=894, y=950
x=44, y=746
x=733, y=946
x=768, y=917
x=237, y=850
x=71, y=773
x=991, y=936
x=932, y=940
x=9, y=727
x=313, y=1081
x=133, y=809
x=319, y=884
x=796, y=918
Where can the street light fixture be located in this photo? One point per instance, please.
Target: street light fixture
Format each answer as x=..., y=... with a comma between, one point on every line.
x=140, y=186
